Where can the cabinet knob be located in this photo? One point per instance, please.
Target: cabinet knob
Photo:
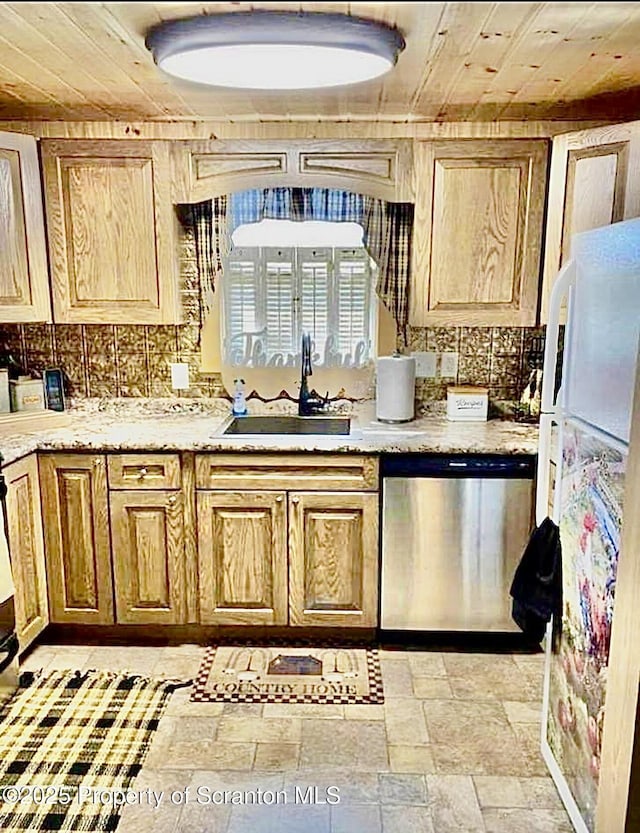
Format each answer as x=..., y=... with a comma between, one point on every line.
x=97, y=461
x=172, y=500
x=279, y=499
x=295, y=500
x=143, y=473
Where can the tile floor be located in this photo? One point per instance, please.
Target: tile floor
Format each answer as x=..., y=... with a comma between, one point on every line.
x=454, y=749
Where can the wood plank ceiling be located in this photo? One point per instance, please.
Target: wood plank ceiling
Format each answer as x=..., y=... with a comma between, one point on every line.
x=463, y=61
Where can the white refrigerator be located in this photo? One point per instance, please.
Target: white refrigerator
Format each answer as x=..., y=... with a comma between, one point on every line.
x=584, y=439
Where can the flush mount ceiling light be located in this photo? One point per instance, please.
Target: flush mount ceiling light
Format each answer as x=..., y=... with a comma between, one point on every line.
x=274, y=50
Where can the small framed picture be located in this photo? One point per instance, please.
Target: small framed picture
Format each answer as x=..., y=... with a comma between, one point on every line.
x=54, y=389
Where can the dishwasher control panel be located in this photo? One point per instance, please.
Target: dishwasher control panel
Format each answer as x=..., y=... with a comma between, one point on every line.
x=468, y=465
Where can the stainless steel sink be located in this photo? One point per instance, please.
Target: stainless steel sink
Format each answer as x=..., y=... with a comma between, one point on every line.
x=286, y=424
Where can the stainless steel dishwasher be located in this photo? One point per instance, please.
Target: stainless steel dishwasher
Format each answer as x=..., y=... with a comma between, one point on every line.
x=453, y=530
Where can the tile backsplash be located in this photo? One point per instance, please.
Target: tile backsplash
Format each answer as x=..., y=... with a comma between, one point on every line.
x=107, y=360
x=498, y=358
x=112, y=360
x=133, y=360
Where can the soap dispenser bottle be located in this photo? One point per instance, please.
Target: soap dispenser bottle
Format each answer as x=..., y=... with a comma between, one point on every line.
x=239, y=407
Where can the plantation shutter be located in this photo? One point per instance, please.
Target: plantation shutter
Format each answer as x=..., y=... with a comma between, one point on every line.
x=353, y=300
x=241, y=299
x=279, y=287
x=317, y=313
x=273, y=295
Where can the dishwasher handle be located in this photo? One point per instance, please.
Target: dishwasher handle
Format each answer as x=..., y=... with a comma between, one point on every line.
x=510, y=466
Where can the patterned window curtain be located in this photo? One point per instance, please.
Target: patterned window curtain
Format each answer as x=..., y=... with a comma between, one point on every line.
x=208, y=220
x=298, y=204
x=388, y=230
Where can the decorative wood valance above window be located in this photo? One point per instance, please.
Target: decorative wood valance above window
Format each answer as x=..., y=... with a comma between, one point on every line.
x=388, y=229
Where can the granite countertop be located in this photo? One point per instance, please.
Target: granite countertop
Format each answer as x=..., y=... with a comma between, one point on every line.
x=193, y=425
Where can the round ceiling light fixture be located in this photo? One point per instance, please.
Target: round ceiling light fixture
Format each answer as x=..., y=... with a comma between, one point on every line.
x=266, y=50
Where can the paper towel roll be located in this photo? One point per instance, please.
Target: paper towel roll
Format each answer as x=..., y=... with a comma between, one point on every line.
x=395, y=388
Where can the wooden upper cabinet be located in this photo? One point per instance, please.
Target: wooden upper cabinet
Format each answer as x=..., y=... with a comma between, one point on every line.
x=478, y=232
x=24, y=282
x=111, y=230
x=333, y=559
x=242, y=557
x=77, y=540
x=594, y=181
x=148, y=557
x=595, y=190
x=26, y=546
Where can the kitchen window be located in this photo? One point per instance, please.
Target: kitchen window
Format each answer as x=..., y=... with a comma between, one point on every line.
x=274, y=294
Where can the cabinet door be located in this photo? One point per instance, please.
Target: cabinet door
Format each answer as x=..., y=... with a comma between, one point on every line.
x=76, y=534
x=478, y=232
x=26, y=546
x=242, y=557
x=148, y=557
x=595, y=189
x=111, y=232
x=333, y=559
x=594, y=181
x=24, y=282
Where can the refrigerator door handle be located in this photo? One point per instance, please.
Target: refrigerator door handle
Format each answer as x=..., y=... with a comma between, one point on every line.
x=561, y=287
x=544, y=465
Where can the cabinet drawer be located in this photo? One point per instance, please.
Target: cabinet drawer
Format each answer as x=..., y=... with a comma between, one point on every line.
x=144, y=471
x=342, y=472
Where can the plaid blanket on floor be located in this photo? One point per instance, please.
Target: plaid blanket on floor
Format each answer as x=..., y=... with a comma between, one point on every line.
x=70, y=743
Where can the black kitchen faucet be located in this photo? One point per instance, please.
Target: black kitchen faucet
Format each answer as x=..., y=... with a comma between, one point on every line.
x=309, y=403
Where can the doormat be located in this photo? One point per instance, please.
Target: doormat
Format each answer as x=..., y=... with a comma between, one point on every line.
x=71, y=743
x=251, y=674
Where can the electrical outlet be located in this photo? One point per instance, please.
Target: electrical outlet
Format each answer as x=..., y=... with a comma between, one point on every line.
x=179, y=376
x=425, y=365
x=449, y=364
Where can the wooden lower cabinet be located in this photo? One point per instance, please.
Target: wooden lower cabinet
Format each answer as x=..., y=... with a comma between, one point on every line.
x=153, y=555
x=242, y=557
x=147, y=533
x=26, y=546
x=77, y=540
x=333, y=559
